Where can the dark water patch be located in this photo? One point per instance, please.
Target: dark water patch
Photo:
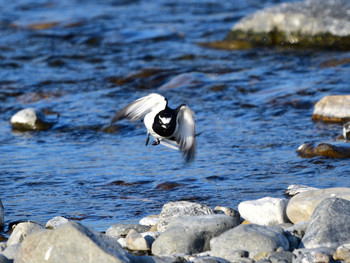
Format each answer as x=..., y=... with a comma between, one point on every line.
x=166, y=186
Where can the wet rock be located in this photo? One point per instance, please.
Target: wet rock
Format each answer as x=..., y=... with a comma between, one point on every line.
x=335, y=108
x=343, y=253
x=329, y=225
x=29, y=120
x=149, y=220
x=21, y=231
x=295, y=189
x=168, y=185
x=335, y=150
x=180, y=209
x=121, y=230
x=2, y=216
x=266, y=211
x=135, y=241
x=71, y=242
x=301, y=206
x=255, y=239
x=309, y=23
x=56, y=222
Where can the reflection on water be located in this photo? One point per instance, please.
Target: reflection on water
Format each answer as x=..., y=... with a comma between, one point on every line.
x=87, y=60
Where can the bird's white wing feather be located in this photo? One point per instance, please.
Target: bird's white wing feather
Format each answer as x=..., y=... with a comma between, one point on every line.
x=185, y=134
x=140, y=107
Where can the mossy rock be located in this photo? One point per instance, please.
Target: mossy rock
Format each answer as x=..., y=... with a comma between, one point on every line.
x=320, y=24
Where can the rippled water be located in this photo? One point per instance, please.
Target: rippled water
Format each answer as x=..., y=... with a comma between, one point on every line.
x=87, y=59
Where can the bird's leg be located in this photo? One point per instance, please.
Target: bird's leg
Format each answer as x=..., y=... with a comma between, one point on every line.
x=156, y=142
x=147, y=139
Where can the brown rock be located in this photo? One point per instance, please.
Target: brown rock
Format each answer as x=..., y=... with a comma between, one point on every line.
x=336, y=150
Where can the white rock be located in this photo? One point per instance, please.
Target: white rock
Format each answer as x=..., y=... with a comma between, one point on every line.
x=333, y=107
x=25, y=116
x=149, y=220
x=56, y=222
x=266, y=211
x=21, y=231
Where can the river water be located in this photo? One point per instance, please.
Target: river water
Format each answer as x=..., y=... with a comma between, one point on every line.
x=88, y=59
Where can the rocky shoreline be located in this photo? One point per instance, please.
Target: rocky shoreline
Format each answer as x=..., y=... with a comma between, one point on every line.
x=312, y=226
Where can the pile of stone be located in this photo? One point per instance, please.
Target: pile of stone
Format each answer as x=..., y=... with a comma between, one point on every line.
x=312, y=226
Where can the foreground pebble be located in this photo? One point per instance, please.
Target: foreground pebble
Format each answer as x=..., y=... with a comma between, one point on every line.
x=320, y=233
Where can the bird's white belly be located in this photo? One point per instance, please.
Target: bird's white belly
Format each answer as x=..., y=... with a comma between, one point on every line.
x=148, y=121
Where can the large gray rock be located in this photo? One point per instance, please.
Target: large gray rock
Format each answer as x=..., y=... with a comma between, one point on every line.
x=179, y=209
x=267, y=211
x=335, y=108
x=301, y=206
x=21, y=231
x=255, y=239
x=329, y=225
x=71, y=242
x=191, y=234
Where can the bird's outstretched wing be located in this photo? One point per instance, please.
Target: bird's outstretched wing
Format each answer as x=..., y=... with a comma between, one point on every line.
x=140, y=107
x=185, y=134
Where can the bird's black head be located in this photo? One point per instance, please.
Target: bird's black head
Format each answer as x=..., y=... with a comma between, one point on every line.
x=165, y=123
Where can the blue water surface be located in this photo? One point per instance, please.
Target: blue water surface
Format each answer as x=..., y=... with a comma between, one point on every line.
x=88, y=59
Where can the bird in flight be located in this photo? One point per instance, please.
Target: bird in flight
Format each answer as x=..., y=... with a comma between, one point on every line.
x=172, y=128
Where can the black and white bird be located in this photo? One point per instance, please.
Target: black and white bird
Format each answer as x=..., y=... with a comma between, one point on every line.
x=172, y=128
